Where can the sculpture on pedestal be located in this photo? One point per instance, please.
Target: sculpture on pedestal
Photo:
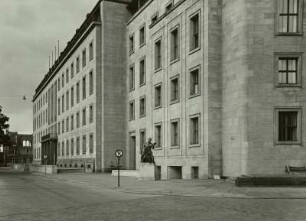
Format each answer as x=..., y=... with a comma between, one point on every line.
x=146, y=152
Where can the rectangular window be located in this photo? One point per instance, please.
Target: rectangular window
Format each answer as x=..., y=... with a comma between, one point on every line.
x=67, y=100
x=194, y=130
x=194, y=32
x=78, y=64
x=142, y=35
x=67, y=148
x=84, y=58
x=58, y=106
x=142, y=111
x=174, y=90
x=169, y=6
x=91, y=143
x=59, y=128
x=63, y=80
x=175, y=133
x=131, y=44
x=67, y=75
x=72, y=70
x=288, y=16
x=142, y=72
x=132, y=110
x=77, y=146
x=58, y=149
x=154, y=18
x=174, y=50
x=78, y=92
x=63, y=126
x=91, y=82
x=287, y=126
x=158, y=135
x=67, y=124
x=63, y=103
x=158, y=96
x=131, y=78
x=63, y=148
x=84, y=87
x=72, y=96
x=72, y=147
x=287, y=70
x=90, y=113
x=72, y=122
x=84, y=117
x=58, y=84
x=142, y=137
x=84, y=144
x=91, y=51
x=78, y=119
x=194, y=82
x=157, y=55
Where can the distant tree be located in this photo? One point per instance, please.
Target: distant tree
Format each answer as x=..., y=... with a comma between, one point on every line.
x=4, y=139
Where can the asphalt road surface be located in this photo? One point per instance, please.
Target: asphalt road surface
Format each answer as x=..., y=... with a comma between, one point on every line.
x=25, y=196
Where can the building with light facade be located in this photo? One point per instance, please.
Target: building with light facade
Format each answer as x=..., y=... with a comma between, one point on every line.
x=218, y=85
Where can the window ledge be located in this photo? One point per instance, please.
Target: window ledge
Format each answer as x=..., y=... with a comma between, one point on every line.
x=278, y=143
x=194, y=95
x=158, y=148
x=157, y=70
x=142, y=116
x=194, y=50
x=288, y=85
x=174, y=147
x=143, y=44
x=132, y=52
x=132, y=89
x=142, y=84
x=131, y=119
x=174, y=101
x=194, y=145
x=289, y=34
x=174, y=61
x=157, y=107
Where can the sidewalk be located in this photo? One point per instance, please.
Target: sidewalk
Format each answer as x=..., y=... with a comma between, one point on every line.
x=198, y=188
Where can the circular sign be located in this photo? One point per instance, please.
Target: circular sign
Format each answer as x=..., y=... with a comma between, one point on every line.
x=45, y=156
x=119, y=153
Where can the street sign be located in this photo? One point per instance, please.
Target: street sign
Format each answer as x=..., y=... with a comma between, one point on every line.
x=119, y=153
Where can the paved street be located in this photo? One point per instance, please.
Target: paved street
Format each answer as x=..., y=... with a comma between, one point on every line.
x=26, y=196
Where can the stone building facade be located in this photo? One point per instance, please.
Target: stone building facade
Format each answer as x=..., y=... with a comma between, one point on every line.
x=218, y=85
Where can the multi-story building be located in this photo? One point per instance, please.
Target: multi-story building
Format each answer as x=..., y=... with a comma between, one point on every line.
x=79, y=105
x=19, y=150
x=218, y=85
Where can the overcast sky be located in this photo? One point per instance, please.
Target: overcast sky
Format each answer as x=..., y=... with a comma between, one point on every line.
x=29, y=30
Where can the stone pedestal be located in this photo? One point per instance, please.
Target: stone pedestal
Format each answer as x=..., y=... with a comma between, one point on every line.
x=147, y=171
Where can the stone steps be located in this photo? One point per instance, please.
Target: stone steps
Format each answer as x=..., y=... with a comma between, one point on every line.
x=70, y=170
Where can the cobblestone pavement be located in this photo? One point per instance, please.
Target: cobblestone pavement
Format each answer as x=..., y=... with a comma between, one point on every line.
x=96, y=197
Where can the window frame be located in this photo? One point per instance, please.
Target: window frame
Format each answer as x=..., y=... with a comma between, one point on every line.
x=172, y=145
x=142, y=140
x=198, y=68
x=143, y=59
x=131, y=44
x=173, y=101
x=142, y=43
x=277, y=110
x=299, y=20
x=132, y=115
x=190, y=136
x=161, y=96
x=91, y=50
x=158, y=125
x=132, y=67
x=142, y=98
x=172, y=50
x=293, y=55
x=158, y=58
x=192, y=47
x=84, y=57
